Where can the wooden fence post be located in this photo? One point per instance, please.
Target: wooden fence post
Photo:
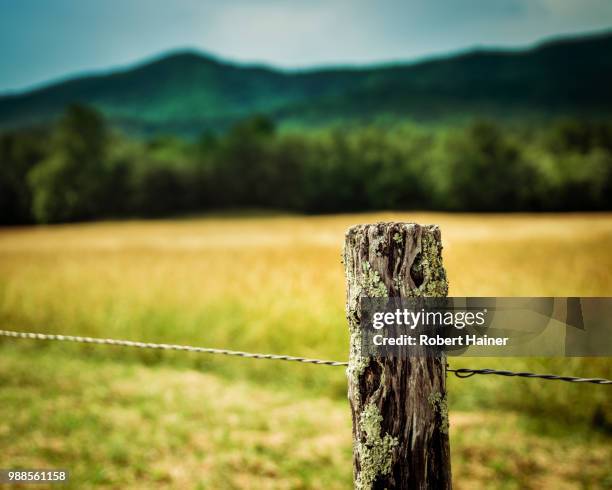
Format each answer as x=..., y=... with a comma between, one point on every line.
x=399, y=409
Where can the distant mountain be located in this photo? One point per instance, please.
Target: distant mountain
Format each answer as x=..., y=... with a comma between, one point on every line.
x=188, y=92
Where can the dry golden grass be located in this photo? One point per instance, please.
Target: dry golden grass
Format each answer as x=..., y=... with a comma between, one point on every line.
x=269, y=282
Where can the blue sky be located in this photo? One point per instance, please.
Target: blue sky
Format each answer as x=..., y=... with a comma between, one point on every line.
x=41, y=40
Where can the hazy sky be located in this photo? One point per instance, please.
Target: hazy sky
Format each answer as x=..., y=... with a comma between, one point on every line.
x=47, y=39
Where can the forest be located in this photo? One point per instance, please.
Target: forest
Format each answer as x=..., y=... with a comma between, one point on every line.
x=82, y=168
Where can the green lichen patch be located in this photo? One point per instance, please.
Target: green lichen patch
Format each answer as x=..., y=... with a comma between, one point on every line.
x=440, y=405
x=372, y=284
x=376, y=451
x=357, y=366
x=428, y=266
x=378, y=245
x=397, y=238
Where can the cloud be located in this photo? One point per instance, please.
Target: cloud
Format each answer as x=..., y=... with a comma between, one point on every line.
x=572, y=9
x=287, y=32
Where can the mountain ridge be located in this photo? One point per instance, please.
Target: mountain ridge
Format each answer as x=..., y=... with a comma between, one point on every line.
x=187, y=92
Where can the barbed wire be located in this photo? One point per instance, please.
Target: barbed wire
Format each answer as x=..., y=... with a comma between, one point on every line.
x=466, y=373
x=460, y=372
x=150, y=345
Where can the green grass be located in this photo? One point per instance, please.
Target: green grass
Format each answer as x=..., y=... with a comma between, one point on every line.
x=124, y=425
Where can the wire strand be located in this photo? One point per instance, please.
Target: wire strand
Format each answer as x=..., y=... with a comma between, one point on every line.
x=177, y=347
x=460, y=373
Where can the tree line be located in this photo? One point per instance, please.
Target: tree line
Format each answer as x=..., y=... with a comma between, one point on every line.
x=81, y=169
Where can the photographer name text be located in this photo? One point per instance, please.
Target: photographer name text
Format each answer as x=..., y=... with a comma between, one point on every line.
x=437, y=340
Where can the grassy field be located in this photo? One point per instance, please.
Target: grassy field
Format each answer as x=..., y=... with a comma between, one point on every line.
x=129, y=418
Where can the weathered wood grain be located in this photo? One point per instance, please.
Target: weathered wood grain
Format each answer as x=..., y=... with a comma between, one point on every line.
x=399, y=409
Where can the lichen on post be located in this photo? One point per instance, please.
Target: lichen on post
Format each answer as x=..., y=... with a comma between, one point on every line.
x=398, y=405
